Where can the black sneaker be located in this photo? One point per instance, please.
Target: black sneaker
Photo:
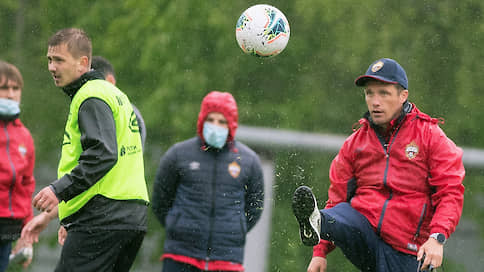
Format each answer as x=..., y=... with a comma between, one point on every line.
x=306, y=210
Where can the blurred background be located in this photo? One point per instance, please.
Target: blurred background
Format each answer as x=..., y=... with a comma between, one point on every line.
x=169, y=54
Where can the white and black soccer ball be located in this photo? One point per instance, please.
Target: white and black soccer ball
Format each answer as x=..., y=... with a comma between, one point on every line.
x=262, y=30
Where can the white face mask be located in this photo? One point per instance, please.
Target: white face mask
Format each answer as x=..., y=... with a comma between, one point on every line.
x=9, y=109
x=214, y=135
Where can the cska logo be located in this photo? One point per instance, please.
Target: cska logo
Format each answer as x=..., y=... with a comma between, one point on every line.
x=377, y=66
x=22, y=150
x=411, y=150
x=234, y=169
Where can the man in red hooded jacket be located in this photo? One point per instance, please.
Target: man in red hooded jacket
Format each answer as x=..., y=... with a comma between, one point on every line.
x=208, y=193
x=17, y=157
x=396, y=190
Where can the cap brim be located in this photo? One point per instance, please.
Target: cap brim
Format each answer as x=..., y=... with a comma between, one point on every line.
x=361, y=80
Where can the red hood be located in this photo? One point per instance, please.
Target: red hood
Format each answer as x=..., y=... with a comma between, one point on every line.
x=224, y=103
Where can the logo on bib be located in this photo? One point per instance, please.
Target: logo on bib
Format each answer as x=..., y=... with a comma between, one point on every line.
x=133, y=122
x=67, y=138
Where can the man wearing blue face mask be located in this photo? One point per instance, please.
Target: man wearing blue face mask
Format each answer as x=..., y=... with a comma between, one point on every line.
x=17, y=181
x=208, y=193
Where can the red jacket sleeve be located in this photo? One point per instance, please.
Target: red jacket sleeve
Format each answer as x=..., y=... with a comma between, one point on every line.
x=446, y=176
x=323, y=248
x=340, y=174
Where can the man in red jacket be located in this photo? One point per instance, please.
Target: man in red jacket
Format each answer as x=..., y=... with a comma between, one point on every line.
x=17, y=157
x=396, y=190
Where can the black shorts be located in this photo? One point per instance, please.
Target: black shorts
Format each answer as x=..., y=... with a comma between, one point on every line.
x=112, y=250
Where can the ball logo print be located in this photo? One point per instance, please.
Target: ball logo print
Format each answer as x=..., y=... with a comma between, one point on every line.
x=262, y=30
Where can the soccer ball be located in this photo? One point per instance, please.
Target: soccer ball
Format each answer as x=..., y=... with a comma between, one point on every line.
x=262, y=30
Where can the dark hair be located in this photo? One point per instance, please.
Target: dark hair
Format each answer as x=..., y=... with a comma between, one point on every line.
x=102, y=65
x=77, y=41
x=399, y=87
x=9, y=71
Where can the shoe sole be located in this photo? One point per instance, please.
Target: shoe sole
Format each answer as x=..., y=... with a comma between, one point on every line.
x=303, y=205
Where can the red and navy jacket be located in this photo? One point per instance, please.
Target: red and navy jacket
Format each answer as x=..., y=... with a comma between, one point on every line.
x=17, y=183
x=408, y=185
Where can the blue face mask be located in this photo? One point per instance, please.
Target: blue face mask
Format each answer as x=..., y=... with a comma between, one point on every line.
x=214, y=135
x=9, y=109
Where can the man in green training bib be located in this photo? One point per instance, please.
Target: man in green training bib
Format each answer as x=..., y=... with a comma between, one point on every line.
x=100, y=192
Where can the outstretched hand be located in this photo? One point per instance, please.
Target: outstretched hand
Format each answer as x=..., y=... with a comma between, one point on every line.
x=434, y=253
x=31, y=230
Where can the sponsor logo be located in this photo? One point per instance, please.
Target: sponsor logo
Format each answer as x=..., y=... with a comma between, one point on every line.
x=194, y=165
x=129, y=150
x=411, y=150
x=234, y=169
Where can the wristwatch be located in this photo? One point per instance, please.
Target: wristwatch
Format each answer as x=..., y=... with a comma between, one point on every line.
x=439, y=237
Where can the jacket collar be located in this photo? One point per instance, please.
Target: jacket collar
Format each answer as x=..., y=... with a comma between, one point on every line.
x=229, y=145
x=406, y=109
x=15, y=122
x=74, y=86
x=9, y=118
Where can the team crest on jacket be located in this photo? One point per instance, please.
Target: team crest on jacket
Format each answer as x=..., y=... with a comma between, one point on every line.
x=411, y=150
x=234, y=169
x=22, y=150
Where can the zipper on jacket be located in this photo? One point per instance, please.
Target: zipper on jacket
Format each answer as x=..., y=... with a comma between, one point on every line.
x=386, y=148
x=407, y=107
x=380, y=222
x=212, y=212
x=420, y=221
x=14, y=174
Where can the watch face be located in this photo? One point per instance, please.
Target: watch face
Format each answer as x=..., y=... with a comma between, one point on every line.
x=441, y=238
